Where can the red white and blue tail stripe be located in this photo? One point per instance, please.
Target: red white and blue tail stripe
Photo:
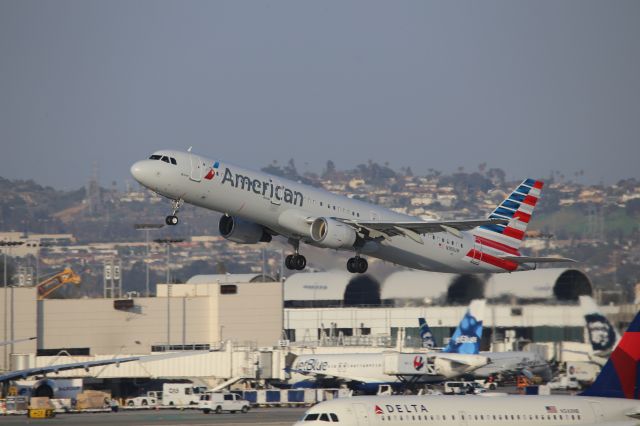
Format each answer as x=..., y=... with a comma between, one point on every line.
x=495, y=241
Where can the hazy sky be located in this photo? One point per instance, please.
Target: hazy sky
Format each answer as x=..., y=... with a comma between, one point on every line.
x=528, y=86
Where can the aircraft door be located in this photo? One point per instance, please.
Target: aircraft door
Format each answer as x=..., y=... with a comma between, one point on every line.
x=361, y=414
x=196, y=168
x=597, y=411
x=477, y=252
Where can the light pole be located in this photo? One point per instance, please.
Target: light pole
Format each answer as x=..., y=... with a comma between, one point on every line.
x=146, y=227
x=6, y=245
x=168, y=242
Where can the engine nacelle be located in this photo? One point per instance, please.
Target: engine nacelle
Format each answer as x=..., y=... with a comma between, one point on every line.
x=330, y=233
x=242, y=231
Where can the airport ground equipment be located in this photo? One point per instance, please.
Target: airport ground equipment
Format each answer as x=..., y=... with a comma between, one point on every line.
x=151, y=399
x=219, y=402
x=54, y=282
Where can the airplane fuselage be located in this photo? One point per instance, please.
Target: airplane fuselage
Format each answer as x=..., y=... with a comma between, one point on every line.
x=475, y=410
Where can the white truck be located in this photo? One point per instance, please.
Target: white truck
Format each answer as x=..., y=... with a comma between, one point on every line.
x=564, y=382
x=181, y=394
x=151, y=399
x=219, y=402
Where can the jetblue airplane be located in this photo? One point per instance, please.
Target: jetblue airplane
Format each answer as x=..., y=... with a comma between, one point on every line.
x=367, y=371
x=612, y=400
x=258, y=206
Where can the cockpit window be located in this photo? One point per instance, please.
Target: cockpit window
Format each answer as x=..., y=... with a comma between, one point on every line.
x=165, y=158
x=173, y=161
x=311, y=417
x=324, y=417
x=334, y=417
x=155, y=157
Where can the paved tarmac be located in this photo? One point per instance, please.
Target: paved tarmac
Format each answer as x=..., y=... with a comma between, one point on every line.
x=257, y=416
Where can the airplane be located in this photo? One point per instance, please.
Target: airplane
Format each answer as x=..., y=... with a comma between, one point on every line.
x=526, y=362
x=257, y=206
x=602, y=334
x=612, y=400
x=367, y=371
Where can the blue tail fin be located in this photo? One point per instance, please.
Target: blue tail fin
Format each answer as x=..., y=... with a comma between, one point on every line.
x=466, y=338
x=620, y=377
x=426, y=335
x=602, y=335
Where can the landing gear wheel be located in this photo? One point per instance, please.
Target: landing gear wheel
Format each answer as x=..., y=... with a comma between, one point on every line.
x=299, y=262
x=351, y=265
x=357, y=265
x=288, y=262
x=171, y=220
x=361, y=265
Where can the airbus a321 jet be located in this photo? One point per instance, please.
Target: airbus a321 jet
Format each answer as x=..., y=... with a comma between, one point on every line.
x=258, y=206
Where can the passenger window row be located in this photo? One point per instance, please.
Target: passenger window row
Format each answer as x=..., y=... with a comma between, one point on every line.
x=164, y=158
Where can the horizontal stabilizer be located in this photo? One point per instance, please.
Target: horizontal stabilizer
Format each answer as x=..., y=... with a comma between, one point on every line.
x=529, y=259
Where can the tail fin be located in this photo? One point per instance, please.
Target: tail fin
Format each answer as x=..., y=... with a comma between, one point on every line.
x=517, y=208
x=620, y=377
x=426, y=335
x=466, y=338
x=602, y=334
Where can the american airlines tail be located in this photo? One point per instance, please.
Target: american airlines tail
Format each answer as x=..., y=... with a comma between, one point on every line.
x=426, y=335
x=466, y=338
x=517, y=209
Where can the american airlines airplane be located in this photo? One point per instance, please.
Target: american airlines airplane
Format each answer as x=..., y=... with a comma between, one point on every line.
x=367, y=371
x=612, y=400
x=258, y=206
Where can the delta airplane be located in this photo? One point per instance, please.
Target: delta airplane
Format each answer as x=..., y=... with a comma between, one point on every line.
x=257, y=206
x=612, y=400
x=367, y=371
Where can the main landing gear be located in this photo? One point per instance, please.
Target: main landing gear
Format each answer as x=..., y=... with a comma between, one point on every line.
x=172, y=219
x=295, y=261
x=357, y=265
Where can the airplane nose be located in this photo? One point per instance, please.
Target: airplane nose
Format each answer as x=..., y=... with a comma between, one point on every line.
x=140, y=171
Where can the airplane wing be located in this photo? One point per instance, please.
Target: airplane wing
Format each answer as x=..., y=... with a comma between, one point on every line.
x=377, y=229
x=529, y=259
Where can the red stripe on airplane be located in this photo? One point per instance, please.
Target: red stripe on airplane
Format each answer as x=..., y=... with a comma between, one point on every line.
x=531, y=200
x=513, y=233
x=493, y=260
x=539, y=184
x=524, y=217
x=498, y=246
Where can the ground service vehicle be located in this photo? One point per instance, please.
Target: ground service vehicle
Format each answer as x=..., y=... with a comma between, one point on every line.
x=564, y=382
x=180, y=394
x=219, y=402
x=151, y=399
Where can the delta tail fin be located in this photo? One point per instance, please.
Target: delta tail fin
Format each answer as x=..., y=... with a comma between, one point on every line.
x=466, y=338
x=426, y=336
x=620, y=377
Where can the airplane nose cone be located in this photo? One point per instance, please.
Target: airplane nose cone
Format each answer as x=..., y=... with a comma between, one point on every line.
x=141, y=172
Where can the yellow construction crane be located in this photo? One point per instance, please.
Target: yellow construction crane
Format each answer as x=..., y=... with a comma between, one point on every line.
x=51, y=284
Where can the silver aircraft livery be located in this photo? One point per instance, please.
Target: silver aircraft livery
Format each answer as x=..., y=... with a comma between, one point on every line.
x=257, y=206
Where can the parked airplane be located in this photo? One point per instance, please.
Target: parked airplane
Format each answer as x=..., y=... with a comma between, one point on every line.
x=611, y=400
x=517, y=362
x=367, y=371
x=602, y=334
x=258, y=206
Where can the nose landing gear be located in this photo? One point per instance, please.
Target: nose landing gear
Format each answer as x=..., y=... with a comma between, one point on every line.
x=172, y=219
x=357, y=265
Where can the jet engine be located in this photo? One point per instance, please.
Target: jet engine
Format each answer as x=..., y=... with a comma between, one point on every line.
x=242, y=231
x=330, y=233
